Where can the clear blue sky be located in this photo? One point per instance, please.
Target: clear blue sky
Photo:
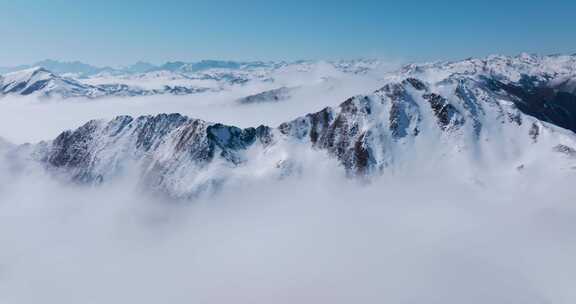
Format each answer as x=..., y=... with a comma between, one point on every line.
x=119, y=32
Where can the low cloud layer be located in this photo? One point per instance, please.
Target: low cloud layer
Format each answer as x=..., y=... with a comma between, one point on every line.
x=315, y=238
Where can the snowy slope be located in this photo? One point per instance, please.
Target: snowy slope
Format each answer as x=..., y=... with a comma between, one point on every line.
x=42, y=82
x=45, y=84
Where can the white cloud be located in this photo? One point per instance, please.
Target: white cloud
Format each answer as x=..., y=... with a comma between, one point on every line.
x=315, y=238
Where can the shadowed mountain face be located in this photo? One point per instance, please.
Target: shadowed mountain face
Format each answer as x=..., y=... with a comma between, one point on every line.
x=466, y=118
x=544, y=101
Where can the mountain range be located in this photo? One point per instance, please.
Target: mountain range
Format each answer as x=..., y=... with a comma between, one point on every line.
x=512, y=114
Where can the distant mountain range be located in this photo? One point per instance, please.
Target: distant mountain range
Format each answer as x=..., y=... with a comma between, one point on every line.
x=51, y=78
x=80, y=70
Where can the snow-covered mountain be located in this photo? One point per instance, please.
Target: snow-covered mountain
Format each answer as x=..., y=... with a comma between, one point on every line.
x=541, y=86
x=499, y=114
x=42, y=82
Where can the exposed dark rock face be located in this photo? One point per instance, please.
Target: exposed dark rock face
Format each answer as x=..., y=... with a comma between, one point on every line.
x=123, y=90
x=151, y=130
x=534, y=132
x=230, y=140
x=338, y=132
x=446, y=113
x=228, y=137
x=403, y=107
x=319, y=121
x=398, y=119
x=569, y=151
x=264, y=135
x=39, y=85
x=471, y=104
x=343, y=137
x=417, y=84
x=72, y=148
x=362, y=156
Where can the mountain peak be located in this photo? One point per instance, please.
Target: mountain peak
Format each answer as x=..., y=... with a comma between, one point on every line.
x=34, y=73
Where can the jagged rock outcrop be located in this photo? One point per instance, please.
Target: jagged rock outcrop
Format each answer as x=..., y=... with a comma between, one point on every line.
x=275, y=95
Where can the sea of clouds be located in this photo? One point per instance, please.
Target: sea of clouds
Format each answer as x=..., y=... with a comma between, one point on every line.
x=411, y=236
x=313, y=238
